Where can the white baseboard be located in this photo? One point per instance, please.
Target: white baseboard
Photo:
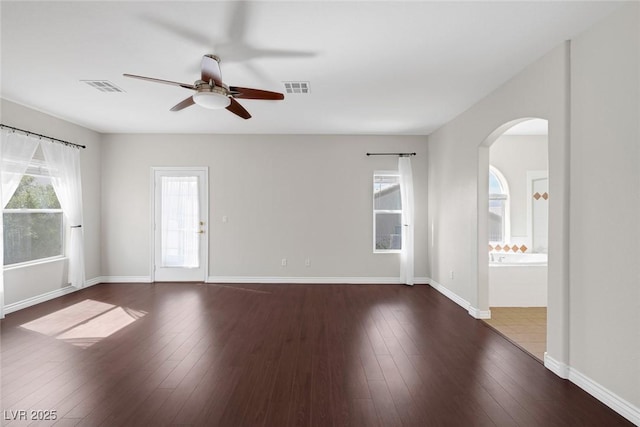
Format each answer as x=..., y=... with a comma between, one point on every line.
x=450, y=294
x=94, y=281
x=604, y=395
x=125, y=279
x=313, y=280
x=473, y=311
x=555, y=366
x=10, y=308
x=275, y=279
x=479, y=314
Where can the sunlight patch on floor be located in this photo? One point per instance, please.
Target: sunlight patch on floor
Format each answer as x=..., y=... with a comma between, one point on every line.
x=85, y=323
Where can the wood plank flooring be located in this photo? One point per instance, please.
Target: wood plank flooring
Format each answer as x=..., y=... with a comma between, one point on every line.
x=274, y=355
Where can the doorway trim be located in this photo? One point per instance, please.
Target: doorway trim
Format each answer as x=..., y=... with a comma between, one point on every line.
x=531, y=177
x=152, y=192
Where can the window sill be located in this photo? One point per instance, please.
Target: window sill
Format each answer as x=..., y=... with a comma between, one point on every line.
x=391, y=251
x=35, y=263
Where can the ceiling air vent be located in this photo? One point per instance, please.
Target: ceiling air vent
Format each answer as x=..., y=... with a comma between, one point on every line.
x=297, y=87
x=103, y=85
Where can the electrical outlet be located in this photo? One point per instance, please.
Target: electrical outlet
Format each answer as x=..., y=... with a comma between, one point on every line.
x=451, y=274
x=307, y=262
x=283, y=262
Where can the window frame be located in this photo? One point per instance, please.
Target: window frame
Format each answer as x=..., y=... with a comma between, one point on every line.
x=505, y=196
x=384, y=211
x=39, y=169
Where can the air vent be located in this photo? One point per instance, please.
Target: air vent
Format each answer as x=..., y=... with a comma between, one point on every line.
x=103, y=85
x=297, y=87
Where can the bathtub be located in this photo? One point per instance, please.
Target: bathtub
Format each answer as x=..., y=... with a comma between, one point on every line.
x=517, y=280
x=499, y=259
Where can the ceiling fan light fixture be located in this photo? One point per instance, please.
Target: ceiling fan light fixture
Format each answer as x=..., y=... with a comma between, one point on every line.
x=212, y=93
x=211, y=100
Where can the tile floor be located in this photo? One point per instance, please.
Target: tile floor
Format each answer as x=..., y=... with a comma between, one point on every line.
x=526, y=326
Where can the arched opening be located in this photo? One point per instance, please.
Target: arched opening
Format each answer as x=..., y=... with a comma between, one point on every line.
x=513, y=224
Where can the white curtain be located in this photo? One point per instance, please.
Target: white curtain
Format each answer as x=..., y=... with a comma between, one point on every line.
x=16, y=151
x=64, y=167
x=406, y=194
x=179, y=222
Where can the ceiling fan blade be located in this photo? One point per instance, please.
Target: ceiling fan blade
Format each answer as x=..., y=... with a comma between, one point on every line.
x=248, y=93
x=238, y=109
x=184, y=104
x=237, y=29
x=186, y=32
x=211, y=70
x=167, y=82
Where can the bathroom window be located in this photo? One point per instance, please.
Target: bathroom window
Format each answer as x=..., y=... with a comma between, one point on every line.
x=387, y=212
x=498, y=207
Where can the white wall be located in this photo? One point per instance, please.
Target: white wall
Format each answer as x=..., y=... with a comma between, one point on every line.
x=605, y=204
x=594, y=312
x=513, y=156
x=285, y=196
x=32, y=281
x=455, y=154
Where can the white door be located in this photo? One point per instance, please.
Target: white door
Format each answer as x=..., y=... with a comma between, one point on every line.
x=181, y=202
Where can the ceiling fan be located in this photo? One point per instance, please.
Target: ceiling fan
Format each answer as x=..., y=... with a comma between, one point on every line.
x=212, y=93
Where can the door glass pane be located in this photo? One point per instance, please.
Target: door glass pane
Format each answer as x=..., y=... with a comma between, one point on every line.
x=180, y=222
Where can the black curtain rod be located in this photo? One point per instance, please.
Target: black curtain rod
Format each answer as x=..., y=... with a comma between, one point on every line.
x=67, y=143
x=392, y=154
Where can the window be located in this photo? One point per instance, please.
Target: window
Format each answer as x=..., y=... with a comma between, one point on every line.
x=387, y=212
x=498, y=207
x=33, y=220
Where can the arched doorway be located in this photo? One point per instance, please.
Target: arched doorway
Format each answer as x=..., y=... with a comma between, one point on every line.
x=517, y=227
x=557, y=356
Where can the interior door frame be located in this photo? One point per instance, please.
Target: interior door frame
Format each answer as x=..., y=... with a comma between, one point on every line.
x=531, y=177
x=152, y=208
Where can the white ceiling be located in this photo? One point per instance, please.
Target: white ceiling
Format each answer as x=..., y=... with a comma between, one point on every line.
x=374, y=67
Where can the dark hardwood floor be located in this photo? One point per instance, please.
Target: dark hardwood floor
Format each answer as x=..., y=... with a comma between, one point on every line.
x=274, y=355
